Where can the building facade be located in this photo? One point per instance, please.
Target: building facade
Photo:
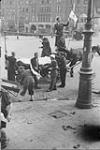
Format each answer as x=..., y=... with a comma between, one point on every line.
x=33, y=15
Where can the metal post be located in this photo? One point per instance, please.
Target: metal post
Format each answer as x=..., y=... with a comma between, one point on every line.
x=84, y=99
x=17, y=19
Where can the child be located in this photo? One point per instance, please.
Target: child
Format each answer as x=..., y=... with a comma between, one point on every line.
x=5, y=115
x=27, y=81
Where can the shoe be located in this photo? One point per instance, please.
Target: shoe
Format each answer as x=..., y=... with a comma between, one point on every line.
x=37, y=87
x=61, y=86
x=96, y=92
x=31, y=100
x=71, y=75
x=54, y=89
x=49, y=90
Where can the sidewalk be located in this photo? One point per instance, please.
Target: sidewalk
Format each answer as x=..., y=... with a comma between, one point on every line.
x=53, y=124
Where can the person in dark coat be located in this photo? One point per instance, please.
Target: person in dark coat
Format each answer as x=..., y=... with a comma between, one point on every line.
x=61, y=44
x=58, y=30
x=46, y=49
x=35, y=66
x=54, y=68
x=11, y=66
x=61, y=60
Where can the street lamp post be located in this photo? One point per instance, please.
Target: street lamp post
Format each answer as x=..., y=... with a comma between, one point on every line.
x=17, y=19
x=84, y=99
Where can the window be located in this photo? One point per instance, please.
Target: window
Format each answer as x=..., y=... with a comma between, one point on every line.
x=48, y=1
x=27, y=2
x=48, y=9
x=23, y=9
x=26, y=9
x=42, y=2
x=42, y=9
x=58, y=9
x=85, y=1
x=58, y=1
x=10, y=2
x=43, y=19
x=78, y=1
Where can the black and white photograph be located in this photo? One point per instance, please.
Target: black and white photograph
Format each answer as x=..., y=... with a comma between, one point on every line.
x=50, y=74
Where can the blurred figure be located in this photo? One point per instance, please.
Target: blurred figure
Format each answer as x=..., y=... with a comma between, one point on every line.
x=62, y=67
x=63, y=70
x=35, y=66
x=41, y=37
x=5, y=116
x=61, y=44
x=11, y=66
x=61, y=60
x=54, y=68
x=27, y=82
x=46, y=49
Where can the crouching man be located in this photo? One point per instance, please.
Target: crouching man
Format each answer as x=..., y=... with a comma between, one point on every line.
x=27, y=82
x=5, y=116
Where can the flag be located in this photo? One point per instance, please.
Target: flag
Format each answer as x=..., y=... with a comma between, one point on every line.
x=73, y=16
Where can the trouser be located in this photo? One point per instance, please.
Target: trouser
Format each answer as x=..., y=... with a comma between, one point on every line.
x=3, y=139
x=53, y=82
x=57, y=40
x=31, y=88
x=11, y=74
x=63, y=76
x=36, y=80
x=73, y=62
x=71, y=72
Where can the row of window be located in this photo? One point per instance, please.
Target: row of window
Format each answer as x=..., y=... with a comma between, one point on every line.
x=44, y=18
x=49, y=1
x=45, y=1
x=48, y=9
x=45, y=9
x=79, y=1
x=58, y=1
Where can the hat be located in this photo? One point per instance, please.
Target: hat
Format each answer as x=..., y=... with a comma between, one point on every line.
x=52, y=56
x=57, y=18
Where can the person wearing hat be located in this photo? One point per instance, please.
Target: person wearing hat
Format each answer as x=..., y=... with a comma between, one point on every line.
x=54, y=68
x=58, y=29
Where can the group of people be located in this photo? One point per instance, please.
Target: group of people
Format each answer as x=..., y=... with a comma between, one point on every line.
x=29, y=79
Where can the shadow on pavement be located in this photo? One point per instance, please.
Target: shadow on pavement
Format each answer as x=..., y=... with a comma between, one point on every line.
x=90, y=133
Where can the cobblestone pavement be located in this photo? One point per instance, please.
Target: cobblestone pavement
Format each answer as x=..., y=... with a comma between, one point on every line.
x=53, y=125
x=52, y=121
